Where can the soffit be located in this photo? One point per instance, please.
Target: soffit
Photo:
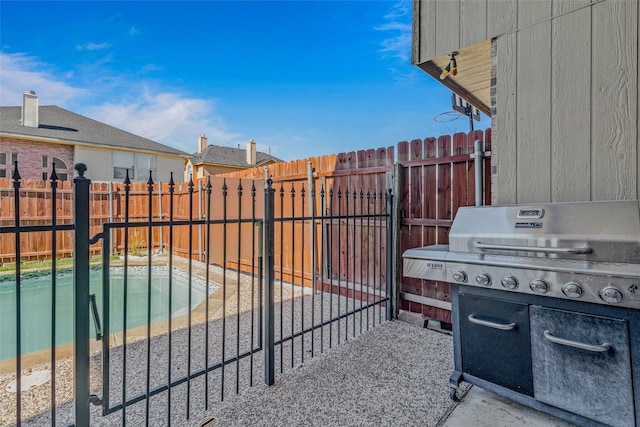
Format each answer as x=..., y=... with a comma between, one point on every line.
x=473, y=81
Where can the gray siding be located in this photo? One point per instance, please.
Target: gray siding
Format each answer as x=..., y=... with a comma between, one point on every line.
x=565, y=124
x=99, y=163
x=574, y=133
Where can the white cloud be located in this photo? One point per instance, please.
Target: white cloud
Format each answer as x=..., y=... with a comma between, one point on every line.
x=150, y=68
x=93, y=46
x=398, y=23
x=133, y=31
x=20, y=72
x=399, y=46
x=169, y=118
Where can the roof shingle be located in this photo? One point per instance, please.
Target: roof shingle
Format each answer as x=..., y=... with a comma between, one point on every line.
x=66, y=126
x=228, y=156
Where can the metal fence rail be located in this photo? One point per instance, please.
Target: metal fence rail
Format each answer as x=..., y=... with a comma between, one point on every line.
x=168, y=379
x=292, y=273
x=19, y=231
x=340, y=255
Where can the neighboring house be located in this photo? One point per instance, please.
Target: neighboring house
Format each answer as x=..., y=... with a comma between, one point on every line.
x=215, y=159
x=37, y=136
x=560, y=81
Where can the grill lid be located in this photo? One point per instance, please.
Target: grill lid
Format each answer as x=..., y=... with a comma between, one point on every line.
x=587, y=231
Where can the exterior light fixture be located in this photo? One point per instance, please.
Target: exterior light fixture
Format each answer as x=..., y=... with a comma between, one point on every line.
x=445, y=72
x=452, y=66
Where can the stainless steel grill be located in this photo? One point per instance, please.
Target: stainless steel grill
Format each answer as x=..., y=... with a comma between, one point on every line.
x=582, y=251
x=545, y=302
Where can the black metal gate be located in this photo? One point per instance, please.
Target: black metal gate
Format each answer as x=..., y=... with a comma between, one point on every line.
x=280, y=275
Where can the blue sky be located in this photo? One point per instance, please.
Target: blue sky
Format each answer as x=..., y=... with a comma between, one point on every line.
x=302, y=78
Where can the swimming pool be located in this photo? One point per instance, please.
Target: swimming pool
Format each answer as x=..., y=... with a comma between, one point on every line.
x=36, y=294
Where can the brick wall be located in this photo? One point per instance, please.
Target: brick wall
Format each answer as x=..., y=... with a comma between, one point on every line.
x=30, y=155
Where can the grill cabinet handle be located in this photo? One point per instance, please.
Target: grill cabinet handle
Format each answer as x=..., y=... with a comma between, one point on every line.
x=541, y=249
x=589, y=347
x=494, y=325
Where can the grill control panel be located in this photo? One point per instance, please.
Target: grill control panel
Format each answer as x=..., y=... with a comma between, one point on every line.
x=593, y=288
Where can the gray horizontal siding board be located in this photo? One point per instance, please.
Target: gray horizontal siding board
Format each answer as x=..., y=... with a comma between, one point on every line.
x=502, y=17
x=533, y=11
x=428, y=30
x=615, y=102
x=506, y=121
x=571, y=107
x=533, y=106
x=448, y=26
x=565, y=6
x=473, y=22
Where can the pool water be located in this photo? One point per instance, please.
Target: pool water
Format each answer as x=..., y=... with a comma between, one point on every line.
x=36, y=304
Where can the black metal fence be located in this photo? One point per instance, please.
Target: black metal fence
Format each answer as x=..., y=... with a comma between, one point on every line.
x=294, y=272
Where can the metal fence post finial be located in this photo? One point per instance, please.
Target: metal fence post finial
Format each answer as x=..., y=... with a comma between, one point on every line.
x=81, y=296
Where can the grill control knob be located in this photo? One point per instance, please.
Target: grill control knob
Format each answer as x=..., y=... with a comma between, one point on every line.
x=460, y=276
x=509, y=282
x=572, y=290
x=611, y=295
x=483, y=279
x=539, y=286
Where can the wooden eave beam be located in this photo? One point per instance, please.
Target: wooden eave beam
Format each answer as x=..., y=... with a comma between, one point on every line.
x=434, y=71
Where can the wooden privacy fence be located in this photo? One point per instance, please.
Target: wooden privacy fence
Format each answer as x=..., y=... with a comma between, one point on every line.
x=107, y=204
x=436, y=176
x=431, y=179
x=349, y=184
x=35, y=209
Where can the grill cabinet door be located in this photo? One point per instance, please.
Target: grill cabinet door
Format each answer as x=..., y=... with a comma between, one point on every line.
x=592, y=383
x=500, y=356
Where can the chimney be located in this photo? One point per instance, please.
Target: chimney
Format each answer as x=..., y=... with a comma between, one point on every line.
x=30, y=109
x=202, y=143
x=251, y=152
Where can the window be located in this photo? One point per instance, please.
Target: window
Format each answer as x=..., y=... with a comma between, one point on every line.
x=122, y=162
x=145, y=163
x=3, y=173
x=14, y=158
x=60, y=164
x=3, y=158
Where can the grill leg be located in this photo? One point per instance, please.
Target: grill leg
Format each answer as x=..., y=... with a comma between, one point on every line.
x=455, y=380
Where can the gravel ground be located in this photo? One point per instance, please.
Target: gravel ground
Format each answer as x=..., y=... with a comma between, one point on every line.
x=354, y=372
x=394, y=374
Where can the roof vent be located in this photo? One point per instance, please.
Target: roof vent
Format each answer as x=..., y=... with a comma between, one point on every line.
x=30, y=109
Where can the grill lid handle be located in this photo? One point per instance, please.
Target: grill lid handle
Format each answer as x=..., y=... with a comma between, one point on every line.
x=541, y=249
x=601, y=348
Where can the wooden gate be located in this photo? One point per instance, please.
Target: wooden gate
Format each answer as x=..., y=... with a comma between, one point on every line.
x=436, y=177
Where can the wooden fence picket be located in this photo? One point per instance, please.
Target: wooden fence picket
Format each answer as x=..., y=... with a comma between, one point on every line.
x=435, y=175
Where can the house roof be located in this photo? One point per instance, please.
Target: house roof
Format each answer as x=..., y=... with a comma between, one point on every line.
x=228, y=156
x=68, y=127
